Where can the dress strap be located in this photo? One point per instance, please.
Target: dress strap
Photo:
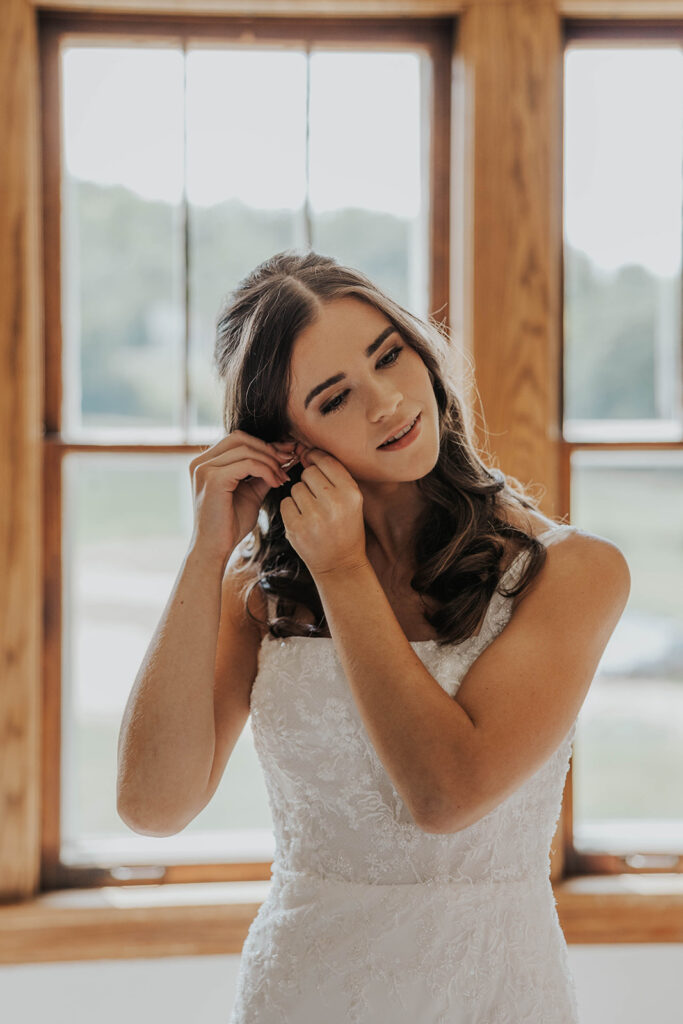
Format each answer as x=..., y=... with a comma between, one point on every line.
x=556, y=530
x=498, y=604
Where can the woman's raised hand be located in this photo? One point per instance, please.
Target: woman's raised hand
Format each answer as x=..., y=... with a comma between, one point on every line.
x=229, y=483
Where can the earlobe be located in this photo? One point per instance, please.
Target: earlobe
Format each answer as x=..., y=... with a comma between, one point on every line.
x=294, y=448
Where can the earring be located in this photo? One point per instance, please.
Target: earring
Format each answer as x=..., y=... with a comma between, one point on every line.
x=292, y=447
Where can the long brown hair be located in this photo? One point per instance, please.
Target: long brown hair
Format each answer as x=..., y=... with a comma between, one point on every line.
x=462, y=535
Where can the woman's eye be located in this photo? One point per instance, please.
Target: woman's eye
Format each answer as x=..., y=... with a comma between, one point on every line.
x=340, y=399
x=331, y=407
x=397, y=349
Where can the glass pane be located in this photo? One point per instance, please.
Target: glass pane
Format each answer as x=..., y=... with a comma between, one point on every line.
x=369, y=166
x=246, y=180
x=128, y=521
x=122, y=272
x=628, y=757
x=623, y=150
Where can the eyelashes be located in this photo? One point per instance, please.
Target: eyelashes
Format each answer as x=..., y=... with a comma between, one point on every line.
x=340, y=399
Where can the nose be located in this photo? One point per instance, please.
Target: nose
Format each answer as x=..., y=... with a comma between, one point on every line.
x=386, y=403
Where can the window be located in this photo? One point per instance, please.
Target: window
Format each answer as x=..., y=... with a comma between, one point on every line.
x=186, y=153
x=623, y=424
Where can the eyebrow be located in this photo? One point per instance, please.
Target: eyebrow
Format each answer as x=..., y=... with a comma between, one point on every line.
x=372, y=347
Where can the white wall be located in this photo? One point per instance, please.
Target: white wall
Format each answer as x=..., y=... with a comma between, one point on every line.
x=624, y=984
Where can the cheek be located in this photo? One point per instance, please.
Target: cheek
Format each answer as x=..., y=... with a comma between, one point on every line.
x=305, y=435
x=344, y=439
x=414, y=371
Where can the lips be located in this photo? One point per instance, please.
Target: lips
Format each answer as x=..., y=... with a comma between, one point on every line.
x=398, y=430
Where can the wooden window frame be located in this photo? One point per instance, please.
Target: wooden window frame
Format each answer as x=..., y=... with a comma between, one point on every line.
x=649, y=862
x=434, y=41
x=52, y=915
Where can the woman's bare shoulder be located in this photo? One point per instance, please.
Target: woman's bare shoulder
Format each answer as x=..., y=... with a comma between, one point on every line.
x=577, y=554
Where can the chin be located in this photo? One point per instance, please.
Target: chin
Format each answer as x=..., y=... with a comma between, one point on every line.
x=412, y=469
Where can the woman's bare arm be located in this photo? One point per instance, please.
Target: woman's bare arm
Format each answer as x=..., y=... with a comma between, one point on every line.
x=167, y=736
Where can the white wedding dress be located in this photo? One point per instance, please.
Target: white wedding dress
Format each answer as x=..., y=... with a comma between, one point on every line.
x=369, y=919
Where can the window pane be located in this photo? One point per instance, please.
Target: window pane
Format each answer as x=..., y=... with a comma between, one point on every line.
x=146, y=129
x=128, y=520
x=247, y=174
x=623, y=156
x=369, y=166
x=122, y=291
x=628, y=762
x=246, y=178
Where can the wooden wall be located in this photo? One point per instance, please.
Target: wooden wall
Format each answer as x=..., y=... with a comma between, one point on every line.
x=21, y=398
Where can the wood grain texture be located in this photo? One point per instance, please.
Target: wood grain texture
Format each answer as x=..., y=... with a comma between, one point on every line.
x=607, y=9
x=512, y=58
x=20, y=456
x=52, y=475
x=268, y=8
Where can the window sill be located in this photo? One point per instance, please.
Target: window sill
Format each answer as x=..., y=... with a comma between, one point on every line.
x=205, y=919
x=621, y=908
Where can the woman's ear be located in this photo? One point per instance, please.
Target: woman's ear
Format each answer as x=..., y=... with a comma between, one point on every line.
x=293, y=448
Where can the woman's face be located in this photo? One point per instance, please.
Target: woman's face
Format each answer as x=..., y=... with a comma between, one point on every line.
x=373, y=397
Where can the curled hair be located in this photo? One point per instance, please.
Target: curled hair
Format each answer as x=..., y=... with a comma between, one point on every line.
x=462, y=535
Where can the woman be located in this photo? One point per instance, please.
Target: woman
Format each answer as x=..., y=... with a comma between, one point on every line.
x=425, y=648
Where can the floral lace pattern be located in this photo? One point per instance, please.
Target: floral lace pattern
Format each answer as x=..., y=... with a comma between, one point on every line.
x=369, y=918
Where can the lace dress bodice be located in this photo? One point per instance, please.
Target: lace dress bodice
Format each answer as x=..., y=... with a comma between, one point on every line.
x=369, y=918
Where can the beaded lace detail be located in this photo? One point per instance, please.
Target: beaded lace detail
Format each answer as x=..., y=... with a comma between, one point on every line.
x=369, y=918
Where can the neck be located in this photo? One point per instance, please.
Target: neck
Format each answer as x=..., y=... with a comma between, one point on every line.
x=390, y=521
